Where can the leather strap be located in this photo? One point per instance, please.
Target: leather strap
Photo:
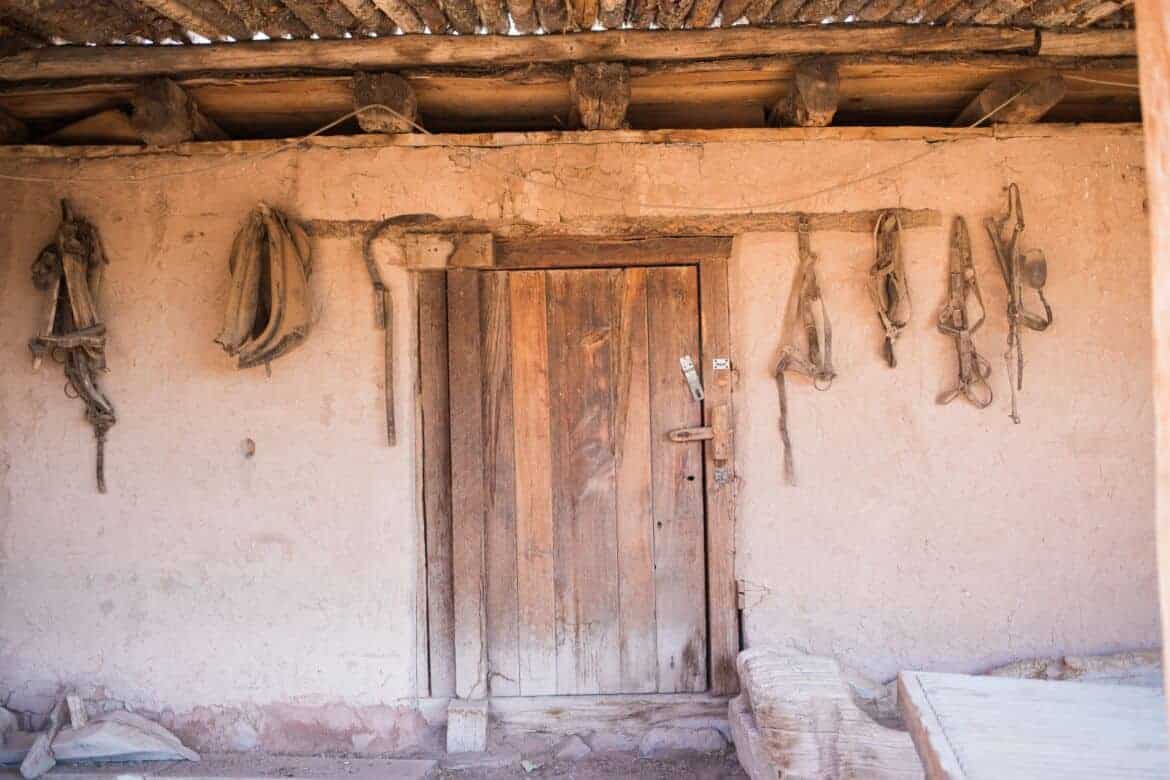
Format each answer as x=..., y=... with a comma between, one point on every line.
x=1017, y=270
x=807, y=313
x=887, y=282
x=69, y=272
x=955, y=320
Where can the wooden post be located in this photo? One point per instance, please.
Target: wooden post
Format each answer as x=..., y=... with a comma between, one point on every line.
x=812, y=97
x=600, y=94
x=723, y=612
x=436, y=446
x=12, y=130
x=468, y=497
x=1153, y=31
x=164, y=114
x=1017, y=100
x=389, y=90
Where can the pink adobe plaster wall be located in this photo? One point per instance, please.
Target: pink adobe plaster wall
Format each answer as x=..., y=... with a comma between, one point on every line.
x=920, y=536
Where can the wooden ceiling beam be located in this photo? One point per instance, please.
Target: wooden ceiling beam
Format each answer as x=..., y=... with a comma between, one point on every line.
x=705, y=94
x=463, y=17
x=327, y=21
x=878, y=10
x=405, y=51
x=205, y=17
x=523, y=14
x=909, y=11
x=1014, y=100
x=703, y=13
x=47, y=22
x=1088, y=43
x=431, y=14
x=401, y=14
x=1000, y=11
x=266, y=16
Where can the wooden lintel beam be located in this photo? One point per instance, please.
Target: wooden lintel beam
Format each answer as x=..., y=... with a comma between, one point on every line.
x=618, y=228
x=405, y=51
x=1014, y=100
x=568, y=252
x=599, y=95
x=164, y=115
x=385, y=89
x=812, y=96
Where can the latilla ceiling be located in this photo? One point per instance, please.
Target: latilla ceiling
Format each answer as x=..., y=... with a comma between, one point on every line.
x=27, y=23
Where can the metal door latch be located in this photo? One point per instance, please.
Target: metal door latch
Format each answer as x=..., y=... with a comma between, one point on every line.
x=692, y=377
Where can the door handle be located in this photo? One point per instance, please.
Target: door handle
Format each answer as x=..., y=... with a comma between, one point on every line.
x=684, y=435
x=718, y=433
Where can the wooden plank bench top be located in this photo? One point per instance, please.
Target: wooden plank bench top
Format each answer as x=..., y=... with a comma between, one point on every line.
x=996, y=727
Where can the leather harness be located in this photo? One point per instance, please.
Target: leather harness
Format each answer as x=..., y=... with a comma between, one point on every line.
x=887, y=282
x=69, y=272
x=1018, y=268
x=806, y=311
x=955, y=320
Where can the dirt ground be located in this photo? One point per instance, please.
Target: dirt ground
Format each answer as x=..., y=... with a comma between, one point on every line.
x=606, y=765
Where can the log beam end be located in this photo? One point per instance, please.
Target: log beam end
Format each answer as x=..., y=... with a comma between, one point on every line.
x=385, y=89
x=812, y=96
x=600, y=95
x=1019, y=99
x=164, y=114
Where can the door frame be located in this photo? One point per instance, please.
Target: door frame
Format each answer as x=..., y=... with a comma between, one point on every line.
x=428, y=245
x=452, y=477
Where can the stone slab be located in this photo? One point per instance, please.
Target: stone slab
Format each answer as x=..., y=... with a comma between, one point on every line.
x=967, y=726
x=467, y=722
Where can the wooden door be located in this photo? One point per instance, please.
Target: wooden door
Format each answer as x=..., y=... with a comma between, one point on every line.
x=564, y=387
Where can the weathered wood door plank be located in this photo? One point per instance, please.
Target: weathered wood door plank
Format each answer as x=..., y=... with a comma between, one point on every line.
x=722, y=607
x=638, y=635
x=677, y=478
x=436, y=449
x=468, y=497
x=533, y=456
x=500, y=484
x=584, y=484
x=579, y=525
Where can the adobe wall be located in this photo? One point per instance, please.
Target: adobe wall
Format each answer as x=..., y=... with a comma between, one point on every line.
x=269, y=601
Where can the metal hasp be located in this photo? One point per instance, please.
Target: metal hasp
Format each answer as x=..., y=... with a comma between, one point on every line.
x=1018, y=268
x=692, y=377
x=956, y=320
x=718, y=432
